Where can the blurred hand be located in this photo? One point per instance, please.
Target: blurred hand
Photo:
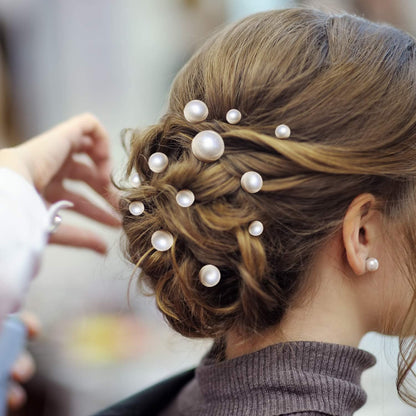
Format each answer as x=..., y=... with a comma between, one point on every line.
x=24, y=367
x=48, y=159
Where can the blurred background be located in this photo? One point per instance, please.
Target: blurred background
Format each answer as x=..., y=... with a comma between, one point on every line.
x=117, y=59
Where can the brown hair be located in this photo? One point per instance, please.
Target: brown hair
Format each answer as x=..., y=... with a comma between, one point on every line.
x=346, y=87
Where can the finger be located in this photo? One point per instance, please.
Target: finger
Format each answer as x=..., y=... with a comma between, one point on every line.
x=31, y=322
x=24, y=368
x=16, y=396
x=69, y=235
x=82, y=205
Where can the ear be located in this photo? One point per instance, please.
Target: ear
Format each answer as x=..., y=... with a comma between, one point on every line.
x=359, y=231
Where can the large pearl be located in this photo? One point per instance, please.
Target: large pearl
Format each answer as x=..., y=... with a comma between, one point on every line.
x=255, y=228
x=135, y=179
x=195, y=111
x=372, y=264
x=233, y=116
x=251, y=182
x=162, y=240
x=185, y=198
x=208, y=146
x=209, y=275
x=158, y=162
x=136, y=208
x=282, y=132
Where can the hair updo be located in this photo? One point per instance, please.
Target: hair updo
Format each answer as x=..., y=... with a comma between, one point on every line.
x=346, y=87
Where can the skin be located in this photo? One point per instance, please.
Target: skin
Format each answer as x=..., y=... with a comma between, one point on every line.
x=344, y=301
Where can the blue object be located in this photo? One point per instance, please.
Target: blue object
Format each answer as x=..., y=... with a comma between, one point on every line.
x=12, y=341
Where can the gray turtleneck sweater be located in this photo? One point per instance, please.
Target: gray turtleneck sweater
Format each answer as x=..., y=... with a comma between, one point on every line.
x=300, y=378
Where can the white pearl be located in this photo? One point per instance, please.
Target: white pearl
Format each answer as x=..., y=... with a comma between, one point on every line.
x=251, y=182
x=135, y=179
x=233, y=116
x=136, y=208
x=282, y=132
x=195, y=111
x=208, y=146
x=185, y=198
x=372, y=264
x=158, y=162
x=162, y=240
x=209, y=275
x=255, y=228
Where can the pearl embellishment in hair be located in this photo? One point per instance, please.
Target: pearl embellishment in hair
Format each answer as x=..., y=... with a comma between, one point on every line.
x=136, y=208
x=158, y=162
x=282, y=132
x=251, y=182
x=208, y=146
x=233, y=116
x=255, y=228
x=209, y=275
x=135, y=179
x=195, y=111
x=371, y=264
x=162, y=240
x=185, y=198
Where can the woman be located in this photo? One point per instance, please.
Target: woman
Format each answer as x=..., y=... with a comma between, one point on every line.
x=288, y=234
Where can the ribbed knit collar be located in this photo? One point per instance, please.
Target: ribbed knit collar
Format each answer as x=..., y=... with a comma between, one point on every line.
x=284, y=378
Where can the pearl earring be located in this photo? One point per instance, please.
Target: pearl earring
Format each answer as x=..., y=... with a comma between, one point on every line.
x=207, y=146
x=209, y=275
x=195, y=111
x=371, y=264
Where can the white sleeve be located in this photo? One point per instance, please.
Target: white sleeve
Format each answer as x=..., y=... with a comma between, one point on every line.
x=24, y=225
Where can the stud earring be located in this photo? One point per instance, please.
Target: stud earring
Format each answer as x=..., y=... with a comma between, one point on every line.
x=371, y=264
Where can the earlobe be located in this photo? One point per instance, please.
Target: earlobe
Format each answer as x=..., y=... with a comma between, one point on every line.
x=356, y=230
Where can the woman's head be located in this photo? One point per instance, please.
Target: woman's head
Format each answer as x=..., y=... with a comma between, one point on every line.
x=346, y=87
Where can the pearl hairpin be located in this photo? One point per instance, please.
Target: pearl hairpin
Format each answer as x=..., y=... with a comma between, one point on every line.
x=136, y=208
x=282, y=131
x=256, y=228
x=162, y=240
x=251, y=182
x=233, y=116
x=135, y=179
x=185, y=198
x=195, y=111
x=209, y=275
x=371, y=264
x=207, y=146
x=158, y=162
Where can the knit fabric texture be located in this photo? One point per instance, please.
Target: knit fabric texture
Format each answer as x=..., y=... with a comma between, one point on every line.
x=302, y=378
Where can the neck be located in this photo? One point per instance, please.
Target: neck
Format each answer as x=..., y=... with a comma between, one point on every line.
x=332, y=315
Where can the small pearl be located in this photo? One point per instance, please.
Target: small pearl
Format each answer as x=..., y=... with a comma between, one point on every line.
x=372, y=264
x=136, y=208
x=158, y=162
x=162, y=240
x=55, y=223
x=208, y=146
x=195, y=111
x=209, y=275
x=135, y=179
x=233, y=116
x=185, y=198
x=255, y=228
x=251, y=182
x=282, y=132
